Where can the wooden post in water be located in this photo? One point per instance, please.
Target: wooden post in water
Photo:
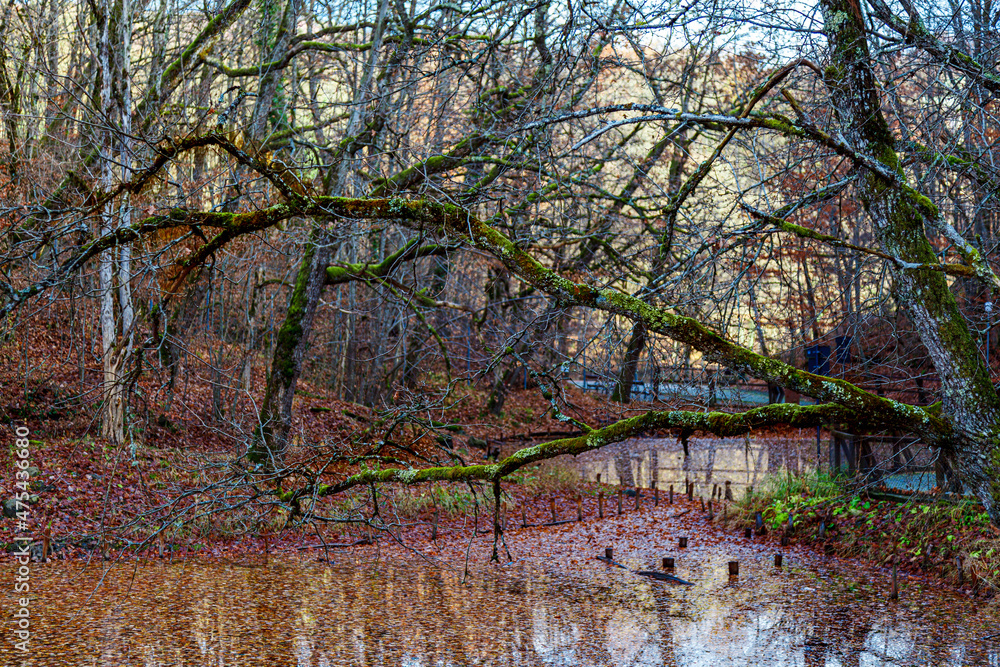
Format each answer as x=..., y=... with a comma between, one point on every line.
x=747, y=533
x=656, y=495
x=691, y=491
x=619, y=500
x=668, y=563
x=552, y=507
x=734, y=568
x=579, y=508
x=671, y=494
x=609, y=553
x=702, y=499
x=600, y=504
x=715, y=490
x=784, y=540
x=759, y=523
x=711, y=511
x=777, y=560
x=637, y=497
x=524, y=518
x=729, y=491
x=682, y=543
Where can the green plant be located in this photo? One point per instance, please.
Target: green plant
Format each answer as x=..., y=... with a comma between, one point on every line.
x=546, y=477
x=448, y=499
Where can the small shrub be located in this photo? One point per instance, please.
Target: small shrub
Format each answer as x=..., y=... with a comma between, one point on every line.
x=547, y=477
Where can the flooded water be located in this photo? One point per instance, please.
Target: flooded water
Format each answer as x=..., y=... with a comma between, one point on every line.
x=418, y=614
x=710, y=461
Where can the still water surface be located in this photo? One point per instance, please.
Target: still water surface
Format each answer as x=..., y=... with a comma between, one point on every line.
x=527, y=613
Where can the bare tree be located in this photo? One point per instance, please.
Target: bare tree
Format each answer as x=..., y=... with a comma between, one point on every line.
x=418, y=181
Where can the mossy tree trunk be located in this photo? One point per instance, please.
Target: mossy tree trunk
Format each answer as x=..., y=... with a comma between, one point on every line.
x=899, y=215
x=286, y=365
x=269, y=445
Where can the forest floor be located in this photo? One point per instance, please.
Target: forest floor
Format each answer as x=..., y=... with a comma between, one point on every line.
x=175, y=492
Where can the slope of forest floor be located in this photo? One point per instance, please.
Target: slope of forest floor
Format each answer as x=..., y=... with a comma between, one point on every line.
x=944, y=537
x=176, y=491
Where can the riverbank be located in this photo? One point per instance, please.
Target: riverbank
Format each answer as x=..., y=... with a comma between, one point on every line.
x=552, y=601
x=949, y=539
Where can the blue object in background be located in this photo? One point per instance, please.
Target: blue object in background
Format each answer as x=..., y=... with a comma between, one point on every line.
x=818, y=359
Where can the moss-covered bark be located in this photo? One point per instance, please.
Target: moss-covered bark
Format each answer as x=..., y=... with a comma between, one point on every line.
x=453, y=220
x=719, y=423
x=899, y=215
x=276, y=412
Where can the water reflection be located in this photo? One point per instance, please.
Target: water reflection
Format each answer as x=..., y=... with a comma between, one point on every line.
x=417, y=615
x=707, y=462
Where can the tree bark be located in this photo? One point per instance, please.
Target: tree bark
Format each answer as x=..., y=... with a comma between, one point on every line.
x=114, y=27
x=899, y=215
x=293, y=337
x=626, y=376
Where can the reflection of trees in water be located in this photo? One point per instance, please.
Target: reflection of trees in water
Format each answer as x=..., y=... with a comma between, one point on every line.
x=387, y=615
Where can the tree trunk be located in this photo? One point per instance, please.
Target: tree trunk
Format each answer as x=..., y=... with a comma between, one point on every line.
x=114, y=26
x=276, y=412
x=626, y=376
x=286, y=365
x=899, y=215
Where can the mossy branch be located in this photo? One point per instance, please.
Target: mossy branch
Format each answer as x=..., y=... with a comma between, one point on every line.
x=722, y=424
x=715, y=348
